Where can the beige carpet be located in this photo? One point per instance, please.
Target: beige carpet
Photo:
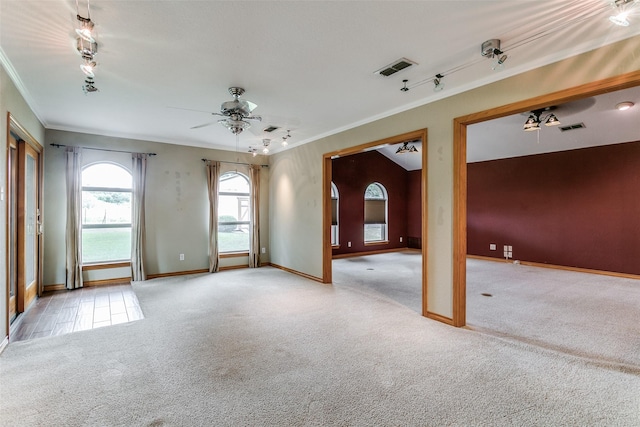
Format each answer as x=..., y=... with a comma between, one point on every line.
x=262, y=347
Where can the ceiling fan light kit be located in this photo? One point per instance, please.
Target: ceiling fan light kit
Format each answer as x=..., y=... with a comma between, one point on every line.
x=535, y=118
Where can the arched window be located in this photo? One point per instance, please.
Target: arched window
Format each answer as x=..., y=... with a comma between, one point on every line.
x=233, y=213
x=375, y=213
x=106, y=213
x=334, y=214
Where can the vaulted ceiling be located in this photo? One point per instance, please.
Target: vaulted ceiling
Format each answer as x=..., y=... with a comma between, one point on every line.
x=164, y=66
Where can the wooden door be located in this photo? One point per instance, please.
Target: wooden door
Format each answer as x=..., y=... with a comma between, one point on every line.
x=28, y=226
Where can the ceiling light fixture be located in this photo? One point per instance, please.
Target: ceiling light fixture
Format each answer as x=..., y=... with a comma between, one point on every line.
x=437, y=83
x=404, y=88
x=406, y=148
x=253, y=151
x=622, y=106
x=235, y=124
x=285, y=138
x=620, y=18
x=88, y=67
x=266, y=143
x=534, y=120
x=86, y=25
x=491, y=49
x=89, y=86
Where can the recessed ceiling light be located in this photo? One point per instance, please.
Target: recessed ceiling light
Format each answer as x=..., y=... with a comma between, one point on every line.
x=624, y=105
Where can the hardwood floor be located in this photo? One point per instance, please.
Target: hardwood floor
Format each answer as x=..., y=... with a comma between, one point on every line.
x=64, y=312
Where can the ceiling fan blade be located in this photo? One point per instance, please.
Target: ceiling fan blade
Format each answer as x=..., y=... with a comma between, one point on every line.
x=258, y=118
x=203, y=125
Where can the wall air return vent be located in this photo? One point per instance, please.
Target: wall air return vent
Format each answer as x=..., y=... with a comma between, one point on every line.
x=572, y=127
x=271, y=128
x=399, y=65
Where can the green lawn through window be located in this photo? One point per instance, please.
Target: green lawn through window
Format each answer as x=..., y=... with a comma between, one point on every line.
x=106, y=244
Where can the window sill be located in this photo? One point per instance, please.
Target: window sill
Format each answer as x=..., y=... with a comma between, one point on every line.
x=335, y=246
x=106, y=265
x=377, y=242
x=233, y=254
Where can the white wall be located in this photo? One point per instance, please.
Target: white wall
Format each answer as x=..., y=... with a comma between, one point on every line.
x=296, y=174
x=177, y=207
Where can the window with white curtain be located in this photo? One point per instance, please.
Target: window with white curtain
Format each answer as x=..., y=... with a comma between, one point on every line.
x=375, y=213
x=106, y=213
x=334, y=214
x=234, y=204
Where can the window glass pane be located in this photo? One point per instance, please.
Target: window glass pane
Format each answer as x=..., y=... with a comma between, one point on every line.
x=233, y=213
x=106, y=175
x=106, y=207
x=106, y=215
x=374, y=192
x=233, y=238
x=106, y=244
x=233, y=183
x=373, y=232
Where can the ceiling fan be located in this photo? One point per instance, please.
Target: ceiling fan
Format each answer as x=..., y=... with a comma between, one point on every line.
x=236, y=113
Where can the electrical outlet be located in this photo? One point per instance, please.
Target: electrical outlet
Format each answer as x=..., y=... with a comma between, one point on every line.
x=264, y=250
x=181, y=257
x=349, y=244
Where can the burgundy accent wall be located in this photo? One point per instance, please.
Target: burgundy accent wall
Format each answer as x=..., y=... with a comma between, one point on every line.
x=578, y=208
x=352, y=174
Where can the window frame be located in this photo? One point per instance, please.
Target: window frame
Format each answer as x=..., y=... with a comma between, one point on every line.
x=94, y=226
x=335, y=228
x=384, y=229
x=241, y=252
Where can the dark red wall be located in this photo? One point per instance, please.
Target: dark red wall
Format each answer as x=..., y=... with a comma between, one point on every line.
x=578, y=208
x=352, y=175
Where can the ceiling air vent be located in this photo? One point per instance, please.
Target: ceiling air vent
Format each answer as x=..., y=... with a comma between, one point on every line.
x=271, y=128
x=572, y=127
x=396, y=66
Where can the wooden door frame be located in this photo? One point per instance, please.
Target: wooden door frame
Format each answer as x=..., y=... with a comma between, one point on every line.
x=327, y=254
x=460, y=124
x=13, y=126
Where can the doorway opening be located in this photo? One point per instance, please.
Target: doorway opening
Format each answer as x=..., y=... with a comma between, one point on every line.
x=376, y=214
x=460, y=167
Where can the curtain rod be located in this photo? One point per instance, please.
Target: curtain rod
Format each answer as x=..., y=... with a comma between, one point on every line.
x=101, y=149
x=237, y=163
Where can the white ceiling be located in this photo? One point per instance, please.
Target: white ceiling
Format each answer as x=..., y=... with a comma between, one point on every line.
x=308, y=65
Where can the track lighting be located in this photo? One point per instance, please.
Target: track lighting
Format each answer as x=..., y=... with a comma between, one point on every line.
x=534, y=120
x=620, y=18
x=404, y=88
x=437, y=83
x=89, y=86
x=88, y=67
x=285, y=138
x=253, y=151
x=266, y=143
x=491, y=49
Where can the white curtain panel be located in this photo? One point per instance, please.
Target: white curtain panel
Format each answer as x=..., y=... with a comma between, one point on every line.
x=213, y=177
x=73, y=237
x=254, y=247
x=138, y=228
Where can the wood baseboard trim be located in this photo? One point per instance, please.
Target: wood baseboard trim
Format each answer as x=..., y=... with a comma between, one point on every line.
x=298, y=273
x=560, y=267
x=4, y=344
x=380, y=251
x=439, y=318
x=53, y=288
x=176, y=273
